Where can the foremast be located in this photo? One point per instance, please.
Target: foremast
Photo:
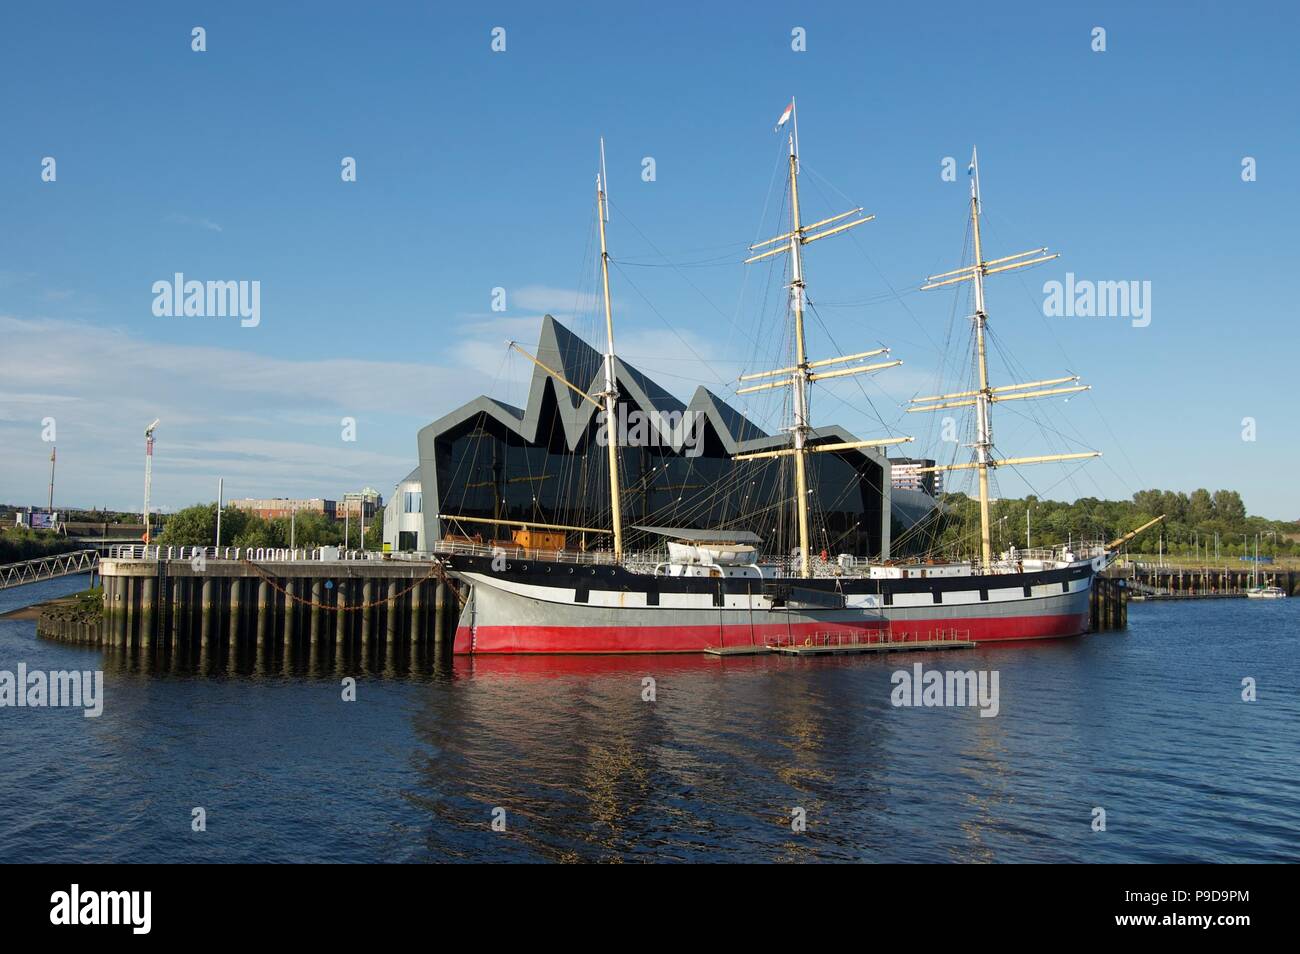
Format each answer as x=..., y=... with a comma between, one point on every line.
x=986, y=395
x=802, y=374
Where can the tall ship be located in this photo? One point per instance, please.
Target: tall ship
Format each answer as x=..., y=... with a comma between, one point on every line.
x=710, y=588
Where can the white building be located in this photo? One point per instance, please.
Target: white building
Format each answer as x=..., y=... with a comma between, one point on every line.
x=404, y=516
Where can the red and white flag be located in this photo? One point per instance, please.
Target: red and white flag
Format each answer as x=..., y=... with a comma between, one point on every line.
x=785, y=116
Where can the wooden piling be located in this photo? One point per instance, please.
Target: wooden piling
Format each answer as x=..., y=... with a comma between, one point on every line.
x=367, y=597
x=147, y=587
x=340, y=615
x=317, y=595
x=390, y=611
x=263, y=612
x=417, y=612
x=290, y=609
x=205, y=610
x=131, y=590
x=236, y=607
x=440, y=625
x=119, y=629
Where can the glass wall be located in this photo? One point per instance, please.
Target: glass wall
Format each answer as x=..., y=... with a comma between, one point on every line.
x=485, y=470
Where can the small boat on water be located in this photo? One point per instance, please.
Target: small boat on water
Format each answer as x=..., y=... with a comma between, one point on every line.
x=1257, y=592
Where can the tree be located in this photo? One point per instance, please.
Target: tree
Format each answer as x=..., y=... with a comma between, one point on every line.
x=1201, y=509
x=313, y=529
x=262, y=533
x=375, y=535
x=194, y=526
x=1228, y=507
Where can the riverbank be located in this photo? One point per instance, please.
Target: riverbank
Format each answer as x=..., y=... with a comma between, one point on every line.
x=81, y=608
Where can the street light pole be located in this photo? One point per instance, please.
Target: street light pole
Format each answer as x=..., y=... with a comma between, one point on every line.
x=148, y=473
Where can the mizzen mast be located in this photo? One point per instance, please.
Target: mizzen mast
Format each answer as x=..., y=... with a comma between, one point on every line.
x=802, y=373
x=609, y=394
x=986, y=396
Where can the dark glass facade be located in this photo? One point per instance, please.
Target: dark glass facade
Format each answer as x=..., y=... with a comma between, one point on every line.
x=485, y=469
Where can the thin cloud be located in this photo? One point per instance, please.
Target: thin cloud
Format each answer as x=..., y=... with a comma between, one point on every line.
x=197, y=222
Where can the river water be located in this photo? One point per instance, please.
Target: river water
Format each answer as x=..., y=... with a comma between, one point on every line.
x=1148, y=725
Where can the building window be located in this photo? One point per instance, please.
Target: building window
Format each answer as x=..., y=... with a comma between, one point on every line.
x=414, y=502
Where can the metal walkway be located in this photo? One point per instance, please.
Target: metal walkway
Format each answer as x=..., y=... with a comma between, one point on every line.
x=47, y=568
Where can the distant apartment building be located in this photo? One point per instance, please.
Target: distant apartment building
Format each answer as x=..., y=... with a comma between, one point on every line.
x=364, y=503
x=269, y=508
x=905, y=474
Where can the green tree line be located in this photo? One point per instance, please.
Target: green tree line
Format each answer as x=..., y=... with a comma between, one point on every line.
x=196, y=526
x=1190, y=525
x=21, y=543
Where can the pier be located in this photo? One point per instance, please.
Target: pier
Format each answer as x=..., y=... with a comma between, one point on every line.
x=230, y=599
x=1155, y=581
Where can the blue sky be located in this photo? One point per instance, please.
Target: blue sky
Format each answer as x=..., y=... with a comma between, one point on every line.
x=475, y=171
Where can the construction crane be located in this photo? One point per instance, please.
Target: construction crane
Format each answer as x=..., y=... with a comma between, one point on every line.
x=148, y=473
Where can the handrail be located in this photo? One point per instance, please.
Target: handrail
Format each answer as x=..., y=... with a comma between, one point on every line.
x=48, y=567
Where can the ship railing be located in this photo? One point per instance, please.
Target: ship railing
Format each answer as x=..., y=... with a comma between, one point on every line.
x=637, y=560
x=1039, y=553
x=156, y=552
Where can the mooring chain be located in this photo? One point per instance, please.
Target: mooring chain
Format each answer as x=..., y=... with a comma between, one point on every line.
x=435, y=572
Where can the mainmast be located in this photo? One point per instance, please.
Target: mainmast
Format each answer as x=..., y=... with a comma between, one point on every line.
x=802, y=374
x=984, y=398
x=609, y=396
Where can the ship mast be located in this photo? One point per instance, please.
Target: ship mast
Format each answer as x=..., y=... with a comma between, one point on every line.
x=986, y=396
x=609, y=396
x=801, y=375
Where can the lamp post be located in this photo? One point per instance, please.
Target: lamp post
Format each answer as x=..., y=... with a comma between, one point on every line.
x=148, y=473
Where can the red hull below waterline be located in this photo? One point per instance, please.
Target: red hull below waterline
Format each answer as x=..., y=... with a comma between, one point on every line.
x=696, y=639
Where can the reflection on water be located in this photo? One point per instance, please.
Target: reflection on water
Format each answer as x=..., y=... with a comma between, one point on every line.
x=1148, y=724
x=298, y=657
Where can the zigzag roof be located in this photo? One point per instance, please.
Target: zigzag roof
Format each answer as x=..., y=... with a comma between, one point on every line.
x=580, y=363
